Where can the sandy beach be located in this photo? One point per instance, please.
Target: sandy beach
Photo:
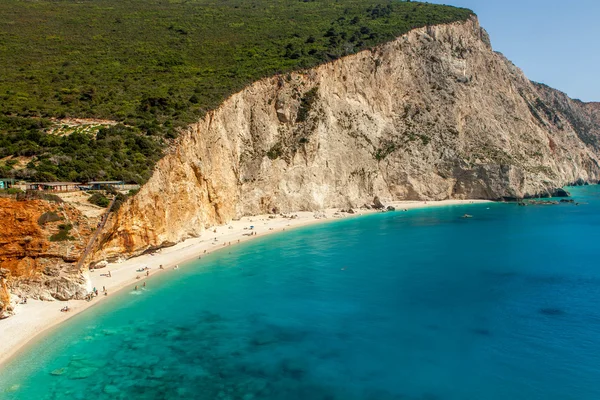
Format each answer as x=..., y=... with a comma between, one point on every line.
x=35, y=317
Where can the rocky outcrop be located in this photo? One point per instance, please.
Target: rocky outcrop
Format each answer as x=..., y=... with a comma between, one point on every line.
x=32, y=264
x=583, y=118
x=435, y=114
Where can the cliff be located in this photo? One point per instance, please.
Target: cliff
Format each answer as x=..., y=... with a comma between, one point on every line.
x=435, y=114
x=36, y=259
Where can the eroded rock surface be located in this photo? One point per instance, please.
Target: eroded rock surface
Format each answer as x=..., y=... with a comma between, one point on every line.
x=31, y=264
x=433, y=115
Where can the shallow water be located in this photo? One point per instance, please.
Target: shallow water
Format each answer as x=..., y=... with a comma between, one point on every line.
x=416, y=305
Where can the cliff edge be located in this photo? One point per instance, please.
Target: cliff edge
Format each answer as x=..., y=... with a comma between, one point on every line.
x=435, y=114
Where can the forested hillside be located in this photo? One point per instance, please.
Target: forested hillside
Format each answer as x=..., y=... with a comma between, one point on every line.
x=156, y=65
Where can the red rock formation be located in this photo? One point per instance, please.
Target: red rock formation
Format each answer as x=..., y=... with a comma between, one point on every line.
x=32, y=264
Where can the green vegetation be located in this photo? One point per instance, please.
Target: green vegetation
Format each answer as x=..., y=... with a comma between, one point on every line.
x=99, y=199
x=120, y=199
x=63, y=233
x=306, y=104
x=49, y=216
x=115, y=153
x=35, y=195
x=388, y=147
x=11, y=191
x=275, y=152
x=157, y=65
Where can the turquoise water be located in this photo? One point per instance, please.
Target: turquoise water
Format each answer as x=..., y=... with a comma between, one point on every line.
x=407, y=305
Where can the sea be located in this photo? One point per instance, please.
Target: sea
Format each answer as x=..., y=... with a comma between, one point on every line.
x=415, y=305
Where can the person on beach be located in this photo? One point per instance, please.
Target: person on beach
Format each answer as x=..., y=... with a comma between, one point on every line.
x=135, y=287
x=109, y=274
x=161, y=267
x=104, y=288
x=144, y=284
x=147, y=273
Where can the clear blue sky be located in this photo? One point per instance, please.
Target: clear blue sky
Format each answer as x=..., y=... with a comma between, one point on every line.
x=553, y=42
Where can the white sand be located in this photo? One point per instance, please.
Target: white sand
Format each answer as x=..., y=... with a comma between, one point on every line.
x=33, y=318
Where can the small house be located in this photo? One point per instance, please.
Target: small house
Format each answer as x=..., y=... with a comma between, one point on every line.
x=53, y=186
x=101, y=185
x=6, y=183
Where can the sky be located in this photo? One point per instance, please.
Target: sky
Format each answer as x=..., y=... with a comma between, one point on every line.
x=553, y=42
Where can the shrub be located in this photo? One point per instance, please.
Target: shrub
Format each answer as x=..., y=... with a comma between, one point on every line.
x=49, y=216
x=306, y=104
x=119, y=200
x=109, y=189
x=37, y=195
x=63, y=233
x=12, y=191
x=275, y=152
x=99, y=199
x=384, y=151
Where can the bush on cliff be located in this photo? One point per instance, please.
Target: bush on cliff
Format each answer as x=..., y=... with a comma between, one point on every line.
x=63, y=233
x=49, y=216
x=99, y=199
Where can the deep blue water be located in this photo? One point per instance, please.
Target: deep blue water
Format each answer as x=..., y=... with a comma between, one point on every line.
x=407, y=305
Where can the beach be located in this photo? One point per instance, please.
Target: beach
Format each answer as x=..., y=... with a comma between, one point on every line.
x=35, y=317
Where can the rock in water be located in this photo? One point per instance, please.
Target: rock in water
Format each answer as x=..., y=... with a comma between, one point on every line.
x=58, y=372
x=83, y=373
x=561, y=193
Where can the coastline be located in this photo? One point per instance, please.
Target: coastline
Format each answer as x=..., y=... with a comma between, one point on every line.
x=36, y=317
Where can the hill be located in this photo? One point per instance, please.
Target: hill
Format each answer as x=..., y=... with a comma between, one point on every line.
x=157, y=65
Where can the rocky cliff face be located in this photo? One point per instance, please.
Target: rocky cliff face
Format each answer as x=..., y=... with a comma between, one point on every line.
x=435, y=114
x=33, y=265
x=583, y=118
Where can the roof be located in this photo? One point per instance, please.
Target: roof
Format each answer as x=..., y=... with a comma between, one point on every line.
x=104, y=182
x=55, y=183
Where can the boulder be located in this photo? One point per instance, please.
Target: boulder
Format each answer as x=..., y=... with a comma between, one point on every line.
x=560, y=192
x=377, y=204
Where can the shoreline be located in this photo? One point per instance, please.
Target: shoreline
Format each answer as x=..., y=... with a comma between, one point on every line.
x=34, y=319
